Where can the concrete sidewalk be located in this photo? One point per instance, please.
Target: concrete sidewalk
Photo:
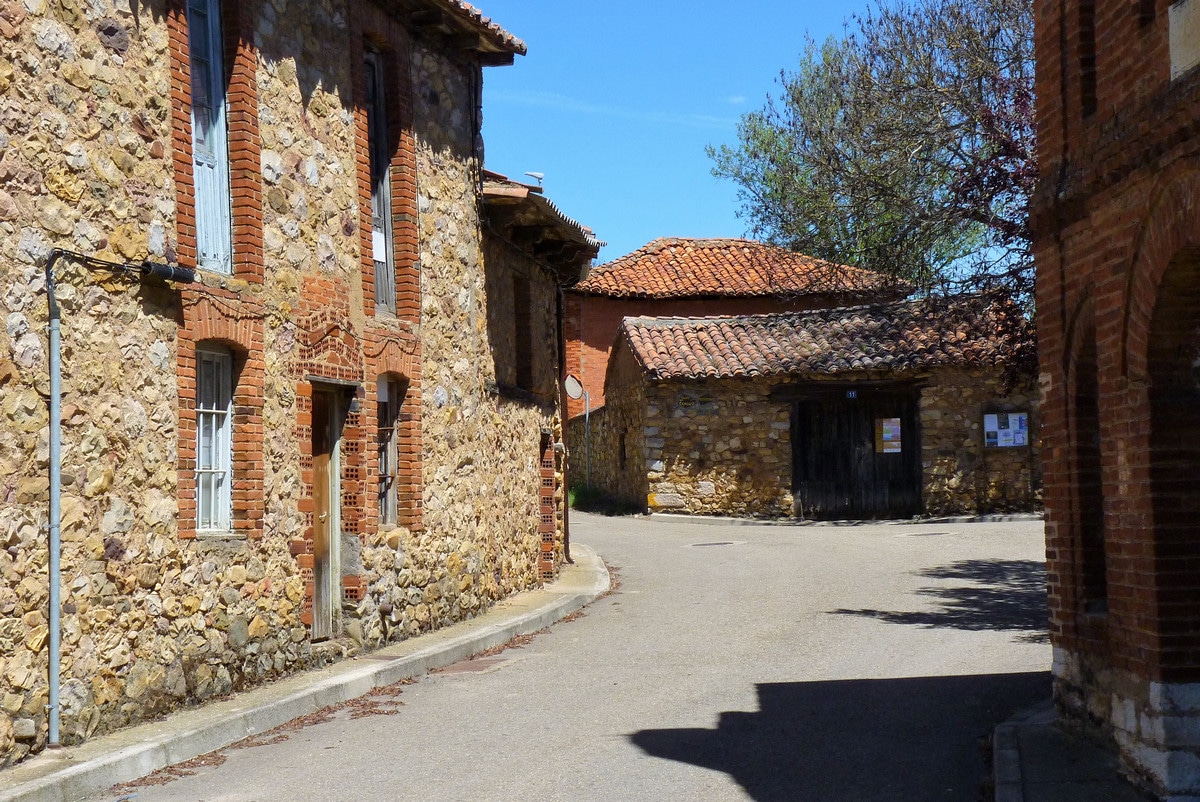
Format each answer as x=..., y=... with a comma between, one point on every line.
x=1035, y=760
x=78, y=771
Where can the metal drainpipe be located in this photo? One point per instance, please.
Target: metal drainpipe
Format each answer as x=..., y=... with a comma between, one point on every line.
x=179, y=275
x=587, y=439
x=55, y=500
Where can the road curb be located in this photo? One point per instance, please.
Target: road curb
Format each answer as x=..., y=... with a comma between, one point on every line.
x=717, y=520
x=78, y=771
x=1006, y=753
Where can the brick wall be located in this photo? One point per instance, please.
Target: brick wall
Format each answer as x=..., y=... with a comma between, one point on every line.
x=1116, y=221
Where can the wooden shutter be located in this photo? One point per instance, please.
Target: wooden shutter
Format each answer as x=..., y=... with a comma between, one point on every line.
x=210, y=138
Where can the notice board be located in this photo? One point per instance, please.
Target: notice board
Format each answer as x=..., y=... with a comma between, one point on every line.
x=1006, y=429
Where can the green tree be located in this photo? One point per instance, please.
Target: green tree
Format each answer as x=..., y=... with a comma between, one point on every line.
x=905, y=146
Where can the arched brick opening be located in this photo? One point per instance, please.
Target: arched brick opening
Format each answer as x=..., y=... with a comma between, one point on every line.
x=213, y=322
x=1173, y=367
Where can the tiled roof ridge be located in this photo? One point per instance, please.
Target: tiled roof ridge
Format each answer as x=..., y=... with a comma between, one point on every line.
x=493, y=29
x=834, y=311
x=695, y=267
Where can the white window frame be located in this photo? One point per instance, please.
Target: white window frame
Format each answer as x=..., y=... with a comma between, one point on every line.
x=210, y=137
x=380, y=169
x=214, y=441
x=390, y=398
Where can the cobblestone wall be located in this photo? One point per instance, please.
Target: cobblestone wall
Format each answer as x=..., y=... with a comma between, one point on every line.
x=154, y=615
x=959, y=472
x=607, y=448
x=718, y=448
x=724, y=447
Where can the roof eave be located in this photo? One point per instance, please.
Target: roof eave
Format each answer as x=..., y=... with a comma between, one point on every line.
x=535, y=224
x=461, y=27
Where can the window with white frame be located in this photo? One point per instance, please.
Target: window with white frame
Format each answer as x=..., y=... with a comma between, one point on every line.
x=381, y=185
x=210, y=138
x=390, y=394
x=214, y=420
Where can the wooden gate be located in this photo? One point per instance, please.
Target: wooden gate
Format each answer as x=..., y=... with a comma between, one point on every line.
x=856, y=453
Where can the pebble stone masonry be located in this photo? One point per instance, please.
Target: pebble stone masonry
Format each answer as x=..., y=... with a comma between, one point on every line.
x=94, y=158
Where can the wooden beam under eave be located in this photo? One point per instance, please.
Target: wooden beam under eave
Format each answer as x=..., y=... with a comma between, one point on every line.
x=422, y=20
x=496, y=59
x=507, y=191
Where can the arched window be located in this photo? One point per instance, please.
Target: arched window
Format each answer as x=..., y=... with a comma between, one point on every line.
x=1174, y=371
x=214, y=438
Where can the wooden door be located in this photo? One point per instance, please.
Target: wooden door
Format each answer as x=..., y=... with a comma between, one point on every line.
x=326, y=494
x=841, y=470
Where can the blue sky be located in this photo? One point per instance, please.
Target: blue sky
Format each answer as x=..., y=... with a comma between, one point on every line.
x=616, y=101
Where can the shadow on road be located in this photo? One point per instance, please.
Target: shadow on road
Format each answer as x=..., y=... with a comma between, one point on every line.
x=1002, y=595
x=890, y=740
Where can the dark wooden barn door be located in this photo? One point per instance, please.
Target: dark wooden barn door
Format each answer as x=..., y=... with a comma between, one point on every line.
x=841, y=467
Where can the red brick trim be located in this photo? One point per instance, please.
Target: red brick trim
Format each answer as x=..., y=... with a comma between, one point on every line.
x=221, y=321
x=548, y=526
x=245, y=163
x=393, y=41
x=399, y=356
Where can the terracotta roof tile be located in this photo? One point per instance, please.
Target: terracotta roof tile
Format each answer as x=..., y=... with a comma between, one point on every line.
x=492, y=30
x=688, y=268
x=906, y=335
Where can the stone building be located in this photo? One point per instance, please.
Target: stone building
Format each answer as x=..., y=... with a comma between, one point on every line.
x=687, y=277
x=1116, y=221
x=346, y=431
x=890, y=410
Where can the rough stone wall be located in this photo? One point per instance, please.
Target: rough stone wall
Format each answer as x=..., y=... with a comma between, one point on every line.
x=718, y=448
x=504, y=264
x=724, y=447
x=522, y=421
x=959, y=474
x=617, y=466
x=1116, y=229
x=154, y=615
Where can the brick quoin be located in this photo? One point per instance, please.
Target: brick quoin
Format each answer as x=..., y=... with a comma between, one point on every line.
x=1116, y=222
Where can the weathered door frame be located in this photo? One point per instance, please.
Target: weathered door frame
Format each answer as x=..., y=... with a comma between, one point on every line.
x=328, y=419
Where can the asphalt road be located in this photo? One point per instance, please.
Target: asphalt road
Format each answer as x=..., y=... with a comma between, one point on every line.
x=823, y=663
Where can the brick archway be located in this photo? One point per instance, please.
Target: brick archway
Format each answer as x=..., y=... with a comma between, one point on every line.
x=1173, y=367
x=1084, y=432
x=1172, y=226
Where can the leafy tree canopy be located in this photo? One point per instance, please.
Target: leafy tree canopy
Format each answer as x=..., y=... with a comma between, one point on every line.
x=905, y=146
